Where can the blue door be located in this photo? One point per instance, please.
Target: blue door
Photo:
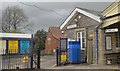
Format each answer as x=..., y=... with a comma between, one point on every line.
x=74, y=50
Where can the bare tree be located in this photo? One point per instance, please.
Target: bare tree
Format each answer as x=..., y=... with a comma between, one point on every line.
x=13, y=19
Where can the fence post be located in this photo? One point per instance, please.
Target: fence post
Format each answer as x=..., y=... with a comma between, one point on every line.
x=57, y=57
x=31, y=63
x=38, y=58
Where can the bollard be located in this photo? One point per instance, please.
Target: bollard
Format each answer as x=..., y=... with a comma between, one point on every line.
x=17, y=67
x=38, y=58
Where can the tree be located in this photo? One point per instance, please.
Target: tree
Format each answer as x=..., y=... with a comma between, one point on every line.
x=0, y=25
x=13, y=19
x=39, y=39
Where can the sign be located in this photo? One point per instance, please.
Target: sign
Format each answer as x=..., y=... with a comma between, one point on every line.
x=91, y=35
x=12, y=46
x=111, y=30
x=3, y=46
x=72, y=26
x=63, y=58
x=25, y=59
x=24, y=46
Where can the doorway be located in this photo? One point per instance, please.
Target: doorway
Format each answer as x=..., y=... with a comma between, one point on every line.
x=82, y=40
x=90, y=60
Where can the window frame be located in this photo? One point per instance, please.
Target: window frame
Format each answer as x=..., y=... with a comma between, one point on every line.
x=81, y=39
x=117, y=36
x=106, y=43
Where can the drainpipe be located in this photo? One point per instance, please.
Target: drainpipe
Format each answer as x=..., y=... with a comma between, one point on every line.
x=87, y=49
x=97, y=43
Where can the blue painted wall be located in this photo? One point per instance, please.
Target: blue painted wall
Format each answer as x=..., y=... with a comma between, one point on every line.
x=24, y=46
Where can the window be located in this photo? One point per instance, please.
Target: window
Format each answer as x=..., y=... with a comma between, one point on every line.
x=117, y=36
x=63, y=44
x=81, y=38
x=108, y=43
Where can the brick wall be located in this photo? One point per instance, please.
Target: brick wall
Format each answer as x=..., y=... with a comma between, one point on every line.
x=51, y=42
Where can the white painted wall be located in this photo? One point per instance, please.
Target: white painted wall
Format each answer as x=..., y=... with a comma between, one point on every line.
x=15, y=35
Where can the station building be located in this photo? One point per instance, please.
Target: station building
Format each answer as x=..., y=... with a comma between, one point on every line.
x=97, y=32
x=109, y=35
x=81, y=26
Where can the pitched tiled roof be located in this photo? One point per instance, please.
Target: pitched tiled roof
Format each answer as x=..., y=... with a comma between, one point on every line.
x=56, y=32
x=98, y=13
x=90, y=13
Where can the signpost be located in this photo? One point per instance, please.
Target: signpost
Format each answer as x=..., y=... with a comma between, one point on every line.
x=63, y=51
x=63, y=44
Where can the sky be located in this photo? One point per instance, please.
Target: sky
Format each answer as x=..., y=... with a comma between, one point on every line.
x=51, y=13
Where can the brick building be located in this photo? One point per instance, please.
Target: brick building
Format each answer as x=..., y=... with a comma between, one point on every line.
x=52, y=39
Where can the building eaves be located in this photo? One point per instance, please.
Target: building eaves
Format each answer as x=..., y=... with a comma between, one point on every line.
x=83, y=11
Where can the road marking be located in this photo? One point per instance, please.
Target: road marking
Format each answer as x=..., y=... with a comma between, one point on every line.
x=69, y=66
x=116, y=68
x=47, y=62
x=54, y=65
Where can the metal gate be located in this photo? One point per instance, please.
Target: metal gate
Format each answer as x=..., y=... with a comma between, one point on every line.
x=36, y=58
x=14, y=60
x=20, y=61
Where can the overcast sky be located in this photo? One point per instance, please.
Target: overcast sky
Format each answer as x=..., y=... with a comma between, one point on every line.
x=43, y=18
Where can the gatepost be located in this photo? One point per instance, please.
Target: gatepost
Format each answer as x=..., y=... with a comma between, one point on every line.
x=31, y=63
x=38, y=58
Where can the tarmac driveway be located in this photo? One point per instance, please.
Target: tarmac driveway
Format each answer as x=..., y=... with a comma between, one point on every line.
x=49, y=62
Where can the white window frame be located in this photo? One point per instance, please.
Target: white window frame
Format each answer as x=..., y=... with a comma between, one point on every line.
x=108, y=42
x=80, y=39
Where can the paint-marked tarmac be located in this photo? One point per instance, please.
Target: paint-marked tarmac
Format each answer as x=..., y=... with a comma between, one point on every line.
x=54, y=65
x=47, y=61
